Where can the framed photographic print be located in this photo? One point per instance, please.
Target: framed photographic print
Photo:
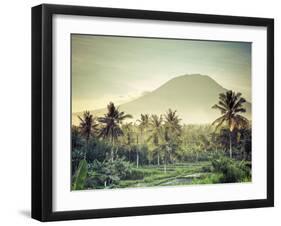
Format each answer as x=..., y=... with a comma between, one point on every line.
x=145, y=112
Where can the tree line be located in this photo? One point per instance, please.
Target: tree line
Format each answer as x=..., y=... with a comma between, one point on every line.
x=162, y=139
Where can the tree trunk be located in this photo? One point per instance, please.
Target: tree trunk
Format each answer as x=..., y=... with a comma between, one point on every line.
x=112, y=149
x=86, y=150
x=158, y=159
x=244, y=150
x=112, y=154
x=116, y=152
x=137, y=159
x=165, y=166
x=230, y=146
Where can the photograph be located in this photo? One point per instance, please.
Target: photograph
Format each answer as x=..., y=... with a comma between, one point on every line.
x=153, y=112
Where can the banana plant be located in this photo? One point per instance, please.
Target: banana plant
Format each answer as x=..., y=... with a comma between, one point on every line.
x=80, y=175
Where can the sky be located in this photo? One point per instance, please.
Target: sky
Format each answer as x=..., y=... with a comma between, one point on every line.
x=120, y=69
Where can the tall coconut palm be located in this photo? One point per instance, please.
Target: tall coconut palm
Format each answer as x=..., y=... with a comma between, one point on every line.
x=156, y=133
x=231, y=105
x=172, y=123
x=76, y=139
x=111, y=122
x=214, y=141
x=88, y=127
x=137, y=141
x=172, y=133
x=128, y=137
x=143, y=125
x=246, y=142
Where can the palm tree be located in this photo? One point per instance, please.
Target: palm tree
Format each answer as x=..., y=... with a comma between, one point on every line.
x=137, y=142
x=75, y=137
x=245, y=142
x=214, y=141
x=111, y=121
x=128, y=137
x=172, y=133
x=143, y=125
x=172, y=126
x=172, y=123
x=88, y=127
x=155, y=130
x=231, y=105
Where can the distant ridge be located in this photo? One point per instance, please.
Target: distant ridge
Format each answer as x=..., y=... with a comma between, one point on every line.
x=191, y=95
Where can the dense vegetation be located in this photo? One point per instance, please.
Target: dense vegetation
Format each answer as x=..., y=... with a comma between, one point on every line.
x=116, y=151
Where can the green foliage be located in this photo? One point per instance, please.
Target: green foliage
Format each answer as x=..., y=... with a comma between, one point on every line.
x=108, y=173
x=157, y=150
x=231, y=170
x=76, y=138
x=80, y=176
x=207, y=169
x=76, y=156
x=135, y=174
x=97, y=150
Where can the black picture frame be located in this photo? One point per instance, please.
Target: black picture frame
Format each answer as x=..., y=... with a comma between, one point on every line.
x=42, y=111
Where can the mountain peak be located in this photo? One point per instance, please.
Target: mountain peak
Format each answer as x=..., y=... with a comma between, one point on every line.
x=192, y=95
x=190, y=83
x=192, y=76
x=195, y=78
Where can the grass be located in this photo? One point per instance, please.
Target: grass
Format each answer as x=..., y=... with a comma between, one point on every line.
x=178, y=174
x=201, y=172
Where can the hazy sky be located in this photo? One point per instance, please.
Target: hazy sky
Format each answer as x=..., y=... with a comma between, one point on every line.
x=119, y=69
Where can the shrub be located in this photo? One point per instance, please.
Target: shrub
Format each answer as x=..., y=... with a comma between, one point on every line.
x=97, y=150
x=121, y=168
x=231, y=170
x=76, y=156
x=80, y=176
x=206, y=169
x=135, y=174
x=107, y=173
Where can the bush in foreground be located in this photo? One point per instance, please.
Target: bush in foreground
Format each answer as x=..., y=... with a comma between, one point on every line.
x=107, y=173
x=231, y=171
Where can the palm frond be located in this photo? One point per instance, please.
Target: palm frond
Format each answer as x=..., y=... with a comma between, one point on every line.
x=230, y=104
x=223, y=110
